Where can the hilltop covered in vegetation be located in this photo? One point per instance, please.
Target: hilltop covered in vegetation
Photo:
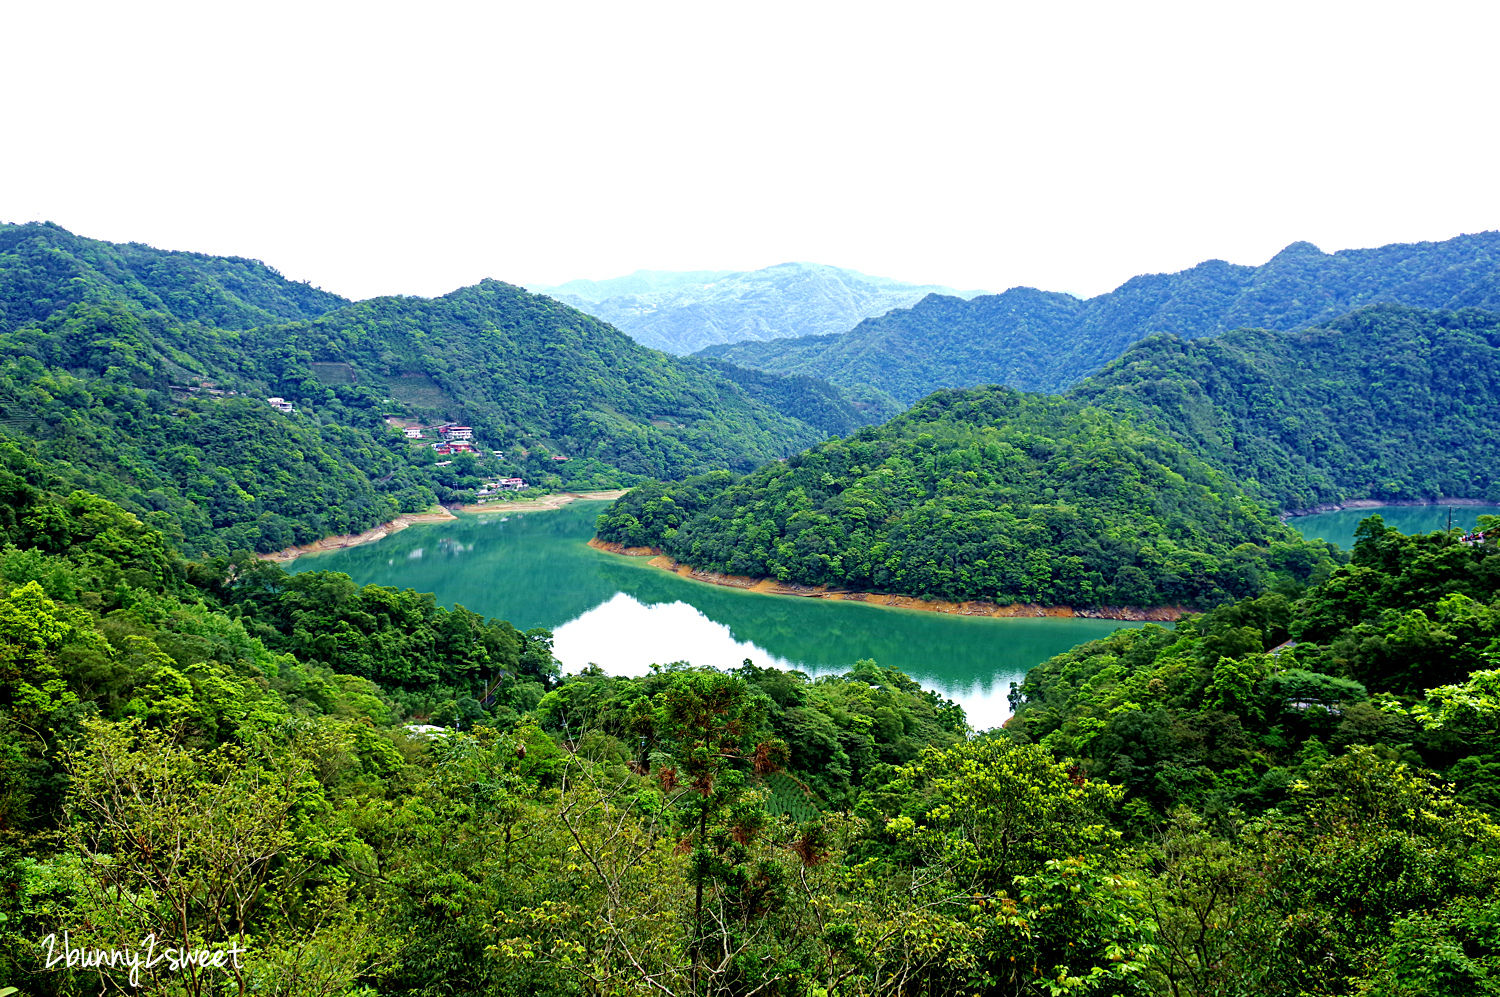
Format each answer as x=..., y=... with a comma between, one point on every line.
x=984, y=494
x=1386, y=403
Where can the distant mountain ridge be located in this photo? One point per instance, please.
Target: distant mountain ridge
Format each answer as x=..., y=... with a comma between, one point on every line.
x=1044, y=341
x=684, y=311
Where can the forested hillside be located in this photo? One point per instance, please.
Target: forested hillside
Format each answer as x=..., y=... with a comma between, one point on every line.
x=684, y=312
x=1387, y=403
x=45, y=268
x=985, y=494
x=216, y=753
x=527, y=371
x=143, y=375
x=1045, y=342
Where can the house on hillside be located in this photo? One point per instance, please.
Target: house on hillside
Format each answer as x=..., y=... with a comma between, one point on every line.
x=281, y=405
x=456, y=432
x=414, y=433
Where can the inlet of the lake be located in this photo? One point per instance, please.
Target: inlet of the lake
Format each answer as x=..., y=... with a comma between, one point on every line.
x=536, y=570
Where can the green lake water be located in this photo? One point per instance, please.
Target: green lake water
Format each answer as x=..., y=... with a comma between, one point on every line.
x=536, y=570
x=1339, y=527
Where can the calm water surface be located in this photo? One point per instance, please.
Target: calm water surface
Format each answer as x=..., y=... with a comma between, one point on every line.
x=535, y=570
x=1339, y=527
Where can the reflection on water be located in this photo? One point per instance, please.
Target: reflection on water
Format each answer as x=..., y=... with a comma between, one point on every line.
x=680, y=632
x=622, y=614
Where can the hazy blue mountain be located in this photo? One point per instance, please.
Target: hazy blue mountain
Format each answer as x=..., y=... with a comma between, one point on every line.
x=684, y=311
x=1044, y=341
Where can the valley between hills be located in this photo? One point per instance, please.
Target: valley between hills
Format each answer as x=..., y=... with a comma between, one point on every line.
x=315, y=633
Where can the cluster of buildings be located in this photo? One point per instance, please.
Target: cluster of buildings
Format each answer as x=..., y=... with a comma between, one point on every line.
x=497, y=485
x=455, y=440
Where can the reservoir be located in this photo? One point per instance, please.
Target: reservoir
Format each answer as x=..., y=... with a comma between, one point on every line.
x=535, y=569
x=1339, y=527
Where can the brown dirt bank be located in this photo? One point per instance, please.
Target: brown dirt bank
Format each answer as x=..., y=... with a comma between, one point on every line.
x=355, y=539
x=545, y=503
x=1377, y=503
x=975, y=607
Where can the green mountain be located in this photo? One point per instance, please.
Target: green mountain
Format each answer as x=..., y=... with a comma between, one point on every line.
x=44, y=269
x=143, y=375
x=982, y=494
x=1386, y=403
x=681, y=312
x=1137, y=487
x=1042, y=341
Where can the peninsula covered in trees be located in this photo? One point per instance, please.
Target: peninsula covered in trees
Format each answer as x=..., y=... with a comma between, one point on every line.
x=986, y=494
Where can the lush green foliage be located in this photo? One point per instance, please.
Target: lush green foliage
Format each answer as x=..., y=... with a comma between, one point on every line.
x=985, y=494
x=199, y=750
x=834, y=411
x=1296, y=793
x=1386, y=403
x=44, y=269
x=1229, y=709
x=530, y=373
x=1045, y=342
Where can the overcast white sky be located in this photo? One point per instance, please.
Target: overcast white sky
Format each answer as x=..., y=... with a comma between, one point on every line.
x=417, y=147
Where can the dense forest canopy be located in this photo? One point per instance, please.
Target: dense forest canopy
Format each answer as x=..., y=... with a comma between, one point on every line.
x=1042, y=341
x=1295, y=793
x=1386, y=403
x=527, y=371
x=143, y=375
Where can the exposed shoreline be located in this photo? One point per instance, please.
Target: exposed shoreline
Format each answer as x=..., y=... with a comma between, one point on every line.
x=1356, y=504
x=975, y=607
x=440, y=514
x=371, y=535
x=544, y=504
